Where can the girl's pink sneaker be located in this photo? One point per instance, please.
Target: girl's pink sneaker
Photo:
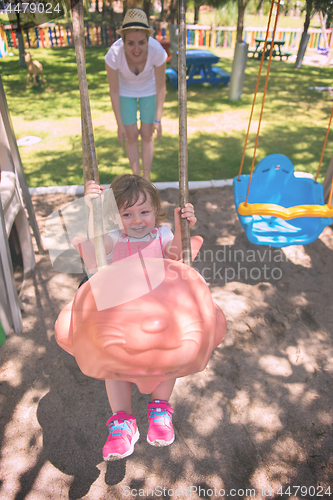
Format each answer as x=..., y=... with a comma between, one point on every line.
x=122, y=436
x=160, y=432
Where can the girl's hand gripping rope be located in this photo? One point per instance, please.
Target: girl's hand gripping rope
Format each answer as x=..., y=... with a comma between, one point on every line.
x=92, y=190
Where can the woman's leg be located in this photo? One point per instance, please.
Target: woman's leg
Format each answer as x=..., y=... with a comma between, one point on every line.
x=147, y=107
x=119, y=394
x=147, y=148
x=164, y=390
x=132, y=147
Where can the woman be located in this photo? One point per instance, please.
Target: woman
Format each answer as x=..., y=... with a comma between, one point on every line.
x=135, y=66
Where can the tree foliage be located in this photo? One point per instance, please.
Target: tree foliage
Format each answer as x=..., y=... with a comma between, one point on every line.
x=313, y=6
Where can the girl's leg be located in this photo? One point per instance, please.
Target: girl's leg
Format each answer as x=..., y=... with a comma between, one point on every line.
x=164, y=390
x=123, y=431
x=147, y=148
x=119, y=394
x=132, y=147
x=161, y=432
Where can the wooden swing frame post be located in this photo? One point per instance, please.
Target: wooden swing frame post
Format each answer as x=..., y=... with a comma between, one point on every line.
x=90, y=168
x=183, y=154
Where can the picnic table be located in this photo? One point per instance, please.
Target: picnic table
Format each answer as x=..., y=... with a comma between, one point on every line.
x=277, y=52
x=200, y=69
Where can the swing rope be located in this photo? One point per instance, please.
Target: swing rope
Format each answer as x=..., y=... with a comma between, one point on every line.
x=90, y=168
x=183, y=154
x=324, y=146
x=264, y=95
x=329, y=202
x=256, y=90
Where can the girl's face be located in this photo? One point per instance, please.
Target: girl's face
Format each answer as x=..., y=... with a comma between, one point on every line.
x=139, y=219
x=136, y=45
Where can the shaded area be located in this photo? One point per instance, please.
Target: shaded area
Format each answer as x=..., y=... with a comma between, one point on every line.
x=259, y=416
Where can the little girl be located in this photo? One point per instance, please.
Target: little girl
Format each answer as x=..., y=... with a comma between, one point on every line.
x=140, y=212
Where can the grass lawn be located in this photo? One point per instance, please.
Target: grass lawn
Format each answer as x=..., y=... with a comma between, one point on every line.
x=294, y=121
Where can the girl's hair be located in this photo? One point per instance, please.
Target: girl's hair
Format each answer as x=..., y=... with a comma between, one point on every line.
x=127, y=190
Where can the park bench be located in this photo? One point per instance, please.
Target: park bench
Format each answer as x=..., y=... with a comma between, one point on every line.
x=254, y=52
x=172, y=76
x=200, y=69
x=225, y=77
x=277, y=49
x=284, y=53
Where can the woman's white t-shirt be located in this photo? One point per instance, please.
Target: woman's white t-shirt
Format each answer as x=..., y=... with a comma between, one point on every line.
x=143, y=84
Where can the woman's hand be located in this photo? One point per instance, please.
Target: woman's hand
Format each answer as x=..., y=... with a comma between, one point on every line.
x=158, y=128
x=121, y=134
x=185, y=213
x=92, y=190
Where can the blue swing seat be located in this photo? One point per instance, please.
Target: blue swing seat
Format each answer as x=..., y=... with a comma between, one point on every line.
x=274, y=182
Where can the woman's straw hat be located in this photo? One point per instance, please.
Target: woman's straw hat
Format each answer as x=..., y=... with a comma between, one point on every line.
x=135, y=19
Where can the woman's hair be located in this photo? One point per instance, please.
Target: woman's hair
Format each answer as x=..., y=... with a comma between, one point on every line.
x=123, y=36
x=127, y=190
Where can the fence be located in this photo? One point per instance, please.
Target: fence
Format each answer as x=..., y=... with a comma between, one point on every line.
x=3, y=43
x=60, y=35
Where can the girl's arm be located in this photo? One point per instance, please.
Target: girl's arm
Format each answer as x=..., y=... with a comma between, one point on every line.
x=160, y=98
x=173, y=249
x=113, y=79
x=93, y=190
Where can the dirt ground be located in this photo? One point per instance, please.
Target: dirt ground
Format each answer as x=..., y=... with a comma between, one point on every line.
x=257, y=422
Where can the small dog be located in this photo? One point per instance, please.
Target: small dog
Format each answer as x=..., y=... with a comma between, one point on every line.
x=35, y=69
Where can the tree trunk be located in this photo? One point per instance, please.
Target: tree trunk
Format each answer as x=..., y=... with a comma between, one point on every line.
x=260, y=8
x=21, y=47
x=111, y=15
x=173, y=12
x=240, y=20
x=196, y=13
x=96, y=6
x=305, y=36
x=309, y=8
x=146, y=8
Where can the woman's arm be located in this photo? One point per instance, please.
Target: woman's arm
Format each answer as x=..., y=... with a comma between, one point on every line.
x=113, y=79
x=160, y=97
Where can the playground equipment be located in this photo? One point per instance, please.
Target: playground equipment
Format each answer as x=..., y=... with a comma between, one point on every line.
x=12, y=211
x=328, y=181
x=281, y=208
x=166, y=321
x=154, y=337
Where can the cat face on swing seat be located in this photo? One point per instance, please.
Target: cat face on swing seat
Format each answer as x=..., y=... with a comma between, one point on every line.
x=168, y=332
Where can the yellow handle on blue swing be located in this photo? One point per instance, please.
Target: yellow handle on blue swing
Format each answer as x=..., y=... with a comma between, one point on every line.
x=285, y=213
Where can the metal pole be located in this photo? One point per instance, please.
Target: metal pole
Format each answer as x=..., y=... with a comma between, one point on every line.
x=8, y=274
x=9, y=129
x=90, y=169
x=183, y=156
x=238, y=71
x=301, y=50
